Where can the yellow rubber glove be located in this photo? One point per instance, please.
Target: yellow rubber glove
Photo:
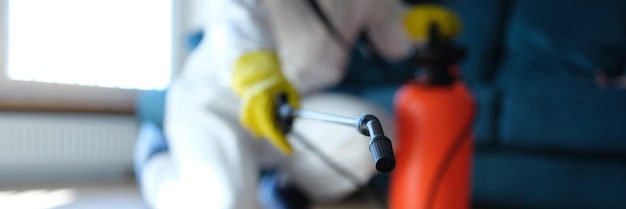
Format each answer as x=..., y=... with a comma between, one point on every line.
x=417, y=21
x=258, y=80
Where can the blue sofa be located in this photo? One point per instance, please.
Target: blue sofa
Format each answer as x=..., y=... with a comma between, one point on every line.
x=546, y=134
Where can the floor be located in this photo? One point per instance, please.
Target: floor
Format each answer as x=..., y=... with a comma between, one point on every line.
x=96, y=195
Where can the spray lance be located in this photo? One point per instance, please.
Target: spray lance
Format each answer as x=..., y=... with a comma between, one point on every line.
x=380, y=146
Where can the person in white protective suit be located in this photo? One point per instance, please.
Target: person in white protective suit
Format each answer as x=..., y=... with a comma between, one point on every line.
x=224, y=100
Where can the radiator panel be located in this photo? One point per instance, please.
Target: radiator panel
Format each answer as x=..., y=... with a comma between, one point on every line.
x=40, y=144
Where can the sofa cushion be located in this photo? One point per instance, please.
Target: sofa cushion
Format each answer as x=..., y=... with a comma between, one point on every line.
x=510, y=179
x=563, y=42
x=553, y=53
x=591, y=120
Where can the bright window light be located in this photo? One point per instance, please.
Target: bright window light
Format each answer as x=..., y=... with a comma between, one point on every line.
x=106, y=43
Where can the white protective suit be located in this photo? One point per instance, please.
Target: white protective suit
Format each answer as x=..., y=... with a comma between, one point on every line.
x=213, y=162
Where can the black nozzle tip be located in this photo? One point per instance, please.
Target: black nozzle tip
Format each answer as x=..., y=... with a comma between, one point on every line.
x=382, y=154
x=385, y=164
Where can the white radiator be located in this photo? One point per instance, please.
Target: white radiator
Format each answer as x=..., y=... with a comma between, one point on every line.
x=53, y=145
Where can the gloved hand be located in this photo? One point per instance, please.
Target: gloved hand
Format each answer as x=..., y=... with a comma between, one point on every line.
x=258, y=80
x=418, y=18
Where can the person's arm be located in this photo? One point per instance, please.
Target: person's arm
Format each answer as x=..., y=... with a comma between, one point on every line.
x=240, y=37
x=234, y=28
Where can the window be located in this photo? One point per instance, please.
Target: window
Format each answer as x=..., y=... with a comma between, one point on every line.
x=81, y=53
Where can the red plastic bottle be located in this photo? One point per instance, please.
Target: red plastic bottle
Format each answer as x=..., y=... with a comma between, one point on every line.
x=434, y=147
x=434, y=119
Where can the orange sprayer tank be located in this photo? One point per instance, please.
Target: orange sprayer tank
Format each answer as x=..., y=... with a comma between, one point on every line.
x=434, y=147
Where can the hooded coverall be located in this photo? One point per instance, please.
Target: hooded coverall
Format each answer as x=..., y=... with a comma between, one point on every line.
x=213, y=162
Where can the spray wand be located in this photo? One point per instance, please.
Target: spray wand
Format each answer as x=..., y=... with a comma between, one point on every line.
x=380, y=146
